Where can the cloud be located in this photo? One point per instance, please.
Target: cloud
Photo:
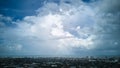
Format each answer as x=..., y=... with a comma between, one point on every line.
x=5, y=21
x=107, y=27
x=63, y=29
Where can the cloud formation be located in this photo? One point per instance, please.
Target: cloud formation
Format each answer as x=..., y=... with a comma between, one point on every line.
x=63, y=29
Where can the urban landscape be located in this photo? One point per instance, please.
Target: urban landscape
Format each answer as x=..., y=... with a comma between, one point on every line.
x=60, y=62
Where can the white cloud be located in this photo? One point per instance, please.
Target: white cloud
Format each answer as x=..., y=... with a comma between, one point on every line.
x=60, y=28
x=51, y=27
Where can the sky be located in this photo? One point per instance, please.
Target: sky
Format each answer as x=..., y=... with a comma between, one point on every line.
x=60, y=27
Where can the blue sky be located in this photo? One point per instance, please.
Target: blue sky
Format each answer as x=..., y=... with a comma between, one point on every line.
x=21, y=8
x=59, y=27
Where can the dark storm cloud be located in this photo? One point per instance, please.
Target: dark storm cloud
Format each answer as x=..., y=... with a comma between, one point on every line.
x=108, y=27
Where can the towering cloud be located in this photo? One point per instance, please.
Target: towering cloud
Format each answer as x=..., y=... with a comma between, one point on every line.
x=64, y=28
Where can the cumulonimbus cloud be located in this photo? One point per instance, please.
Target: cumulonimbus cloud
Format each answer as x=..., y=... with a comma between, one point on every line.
x=59, y=28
